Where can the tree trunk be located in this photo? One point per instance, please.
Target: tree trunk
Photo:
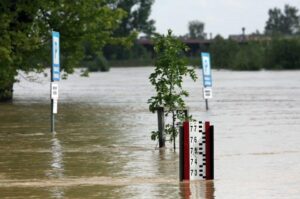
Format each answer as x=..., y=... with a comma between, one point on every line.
x=7, y=80
x=6, y=93
x=173, y=129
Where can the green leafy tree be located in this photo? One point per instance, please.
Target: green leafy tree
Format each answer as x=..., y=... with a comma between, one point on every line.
x=136, y=21
x=170, y=69
x=137, y=18
x=16, y=39
x=285, y=22
x=196, y=30
x=26, y=26
x=283, y=54
x=223, y=52
x=249, y=57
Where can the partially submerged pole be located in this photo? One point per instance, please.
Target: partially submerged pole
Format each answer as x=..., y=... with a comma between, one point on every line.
x=181, y=147
x=52, y=114
x=55, y=77
x=196, y=156
x=206, y=104
x=186, y=113
x=161, y=124
x=161, y=127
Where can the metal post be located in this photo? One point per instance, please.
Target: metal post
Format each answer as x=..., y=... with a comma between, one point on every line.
x=161, y=126
x=181, y=153
x=186, y=113
x=207, y=150
x=51, y=109
x=55, y=76
x=52, y=118
x=52, y=115
x=206, y=104
x=185, y=150
x=209, y=131
x=212, y=151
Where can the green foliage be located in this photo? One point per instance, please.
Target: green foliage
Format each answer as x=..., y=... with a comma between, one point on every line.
x=167, y=79
x=101, y=63
x=283, y=54
x=25, y=28
x=154, y=135
x=121, y=53
x=6, y=83
x=283, y=23
x=278, y=53
x=196, y=30
x=131, y=62
x=223, y=52
x=135, y=22
x=229, y=54
x=94, y=61
x=249, y=57
x=137, y=17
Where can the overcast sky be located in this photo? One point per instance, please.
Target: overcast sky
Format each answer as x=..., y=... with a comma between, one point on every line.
x=223, y=17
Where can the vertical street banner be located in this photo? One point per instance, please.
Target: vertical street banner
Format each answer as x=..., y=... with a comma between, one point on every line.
x=55, y=57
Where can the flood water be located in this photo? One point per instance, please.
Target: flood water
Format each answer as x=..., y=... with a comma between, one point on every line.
x=102, y=148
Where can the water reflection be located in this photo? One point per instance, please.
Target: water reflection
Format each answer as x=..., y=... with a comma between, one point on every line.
x=57, y=192
x=57, y=167
x=197, y=190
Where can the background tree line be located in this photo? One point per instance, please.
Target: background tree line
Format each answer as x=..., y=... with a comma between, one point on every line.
x=277, y=53
x=278, y=47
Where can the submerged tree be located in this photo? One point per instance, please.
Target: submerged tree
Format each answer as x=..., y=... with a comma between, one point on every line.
x=170, y=69
x=26, y=25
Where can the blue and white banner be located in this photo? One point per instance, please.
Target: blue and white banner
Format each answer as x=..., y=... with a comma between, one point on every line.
x=55, y=56
x=206, y=70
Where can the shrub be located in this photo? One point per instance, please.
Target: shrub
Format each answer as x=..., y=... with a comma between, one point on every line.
x=167, y=79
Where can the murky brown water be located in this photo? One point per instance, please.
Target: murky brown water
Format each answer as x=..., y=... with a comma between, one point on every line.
x=102, y=148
